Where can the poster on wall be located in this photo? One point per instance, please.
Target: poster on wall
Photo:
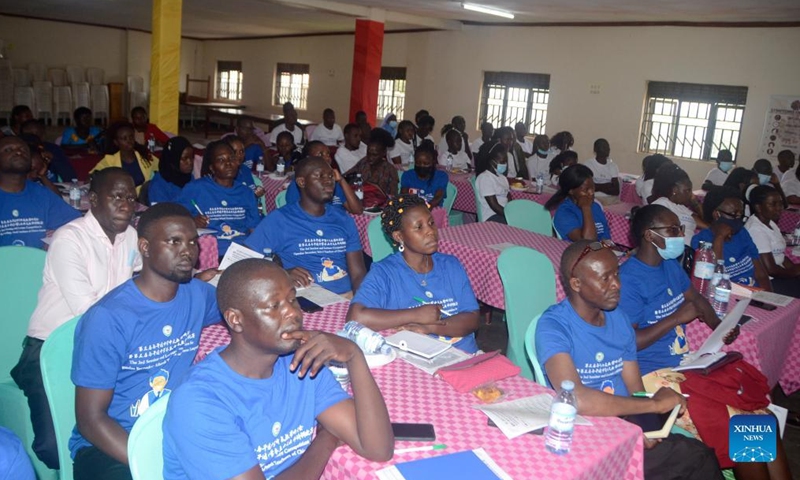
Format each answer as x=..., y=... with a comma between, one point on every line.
x=782, y=127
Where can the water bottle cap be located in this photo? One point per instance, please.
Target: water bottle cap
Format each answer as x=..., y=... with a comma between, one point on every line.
x=721, y=261
x=726, y=276
x=568, y=385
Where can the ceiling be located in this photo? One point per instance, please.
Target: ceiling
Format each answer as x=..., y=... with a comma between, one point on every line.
x=209, y=19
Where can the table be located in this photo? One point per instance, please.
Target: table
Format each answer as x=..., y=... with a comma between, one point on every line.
x=770, y=341
x=470, y=243
x=611, y=448
x=628, y=193
x=82, y=161
x=618, y=216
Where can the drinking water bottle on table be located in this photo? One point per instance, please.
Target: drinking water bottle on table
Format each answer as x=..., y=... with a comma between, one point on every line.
x=722, y=295
x=563, y=410
x=369, y=341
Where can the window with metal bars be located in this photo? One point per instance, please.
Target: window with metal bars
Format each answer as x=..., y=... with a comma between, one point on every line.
x=291, y=84
x=508, y=98
x=392, y=92
x=229, y=80
x=692, y=120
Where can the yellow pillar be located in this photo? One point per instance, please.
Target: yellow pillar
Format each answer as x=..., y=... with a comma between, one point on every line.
x=165, y=64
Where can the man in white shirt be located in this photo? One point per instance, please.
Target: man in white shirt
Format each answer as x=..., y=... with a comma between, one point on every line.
x=353, y=149
x=785, y=164
x=719, y=174
x=487, y=130
x=424, y=129
x=539, y=162
x=289, y=125
x=791, y=187
x=329, y=132
x=606, y=172
x=87, y=258
x=520, y=131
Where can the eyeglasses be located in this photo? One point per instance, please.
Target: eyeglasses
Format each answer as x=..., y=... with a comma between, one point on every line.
x=592, y=247
x=735, y=215
x=672, y=230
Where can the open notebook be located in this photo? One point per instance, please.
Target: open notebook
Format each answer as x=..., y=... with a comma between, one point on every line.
x=710, y=352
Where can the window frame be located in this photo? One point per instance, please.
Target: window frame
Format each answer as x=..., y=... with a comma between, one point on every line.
x=397, y=77
x=225, y=67
x=293, y=70
x=536, y=86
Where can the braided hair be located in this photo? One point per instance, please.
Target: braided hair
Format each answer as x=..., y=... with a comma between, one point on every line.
x=392, y=215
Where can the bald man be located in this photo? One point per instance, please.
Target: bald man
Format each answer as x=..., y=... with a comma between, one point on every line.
x=248, y=411
x=587, y=340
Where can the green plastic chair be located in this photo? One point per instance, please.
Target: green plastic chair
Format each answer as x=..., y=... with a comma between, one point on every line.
x=145, y=443
x=56, y=361
x=530, y=349
x=528, y=215
x=19, y=289
x=453, y=218
x=280, y=199
x=379, y=243
x=524, y=301
x=262, y=205
x=478, y=212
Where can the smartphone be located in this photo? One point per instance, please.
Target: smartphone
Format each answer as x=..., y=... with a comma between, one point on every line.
x=308, y=306
x=538, y=431
x=744, y=319
x=763, y=306
x=414, y=431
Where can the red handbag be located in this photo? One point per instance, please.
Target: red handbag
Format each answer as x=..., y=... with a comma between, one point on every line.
x=478, y=370
x=373, y=196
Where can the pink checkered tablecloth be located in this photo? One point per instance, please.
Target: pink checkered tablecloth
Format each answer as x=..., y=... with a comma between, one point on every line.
x=610, y=448
x=362, y=221
x=471, y=244
x=770, y=341
x=272, y=187
x=619, y=223
x=628, y=193
x=465, y=199
x=790, y=219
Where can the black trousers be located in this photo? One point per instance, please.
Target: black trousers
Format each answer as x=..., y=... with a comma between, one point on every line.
x=92, y=464
x=28, y=376
x=497, y=218
x=787, y=286
x=681, y=458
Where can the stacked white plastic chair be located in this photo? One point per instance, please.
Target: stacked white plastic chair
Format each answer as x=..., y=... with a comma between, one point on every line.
x=43, y=96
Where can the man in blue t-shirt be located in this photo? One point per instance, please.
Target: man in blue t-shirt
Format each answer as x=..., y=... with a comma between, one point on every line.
x=27, y=209
x=249, y=410
x=316, y=242
x=587, y=340
x=137, y=342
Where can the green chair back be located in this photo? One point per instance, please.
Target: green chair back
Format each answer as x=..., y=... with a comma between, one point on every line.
x=528, y=215
x=524, y=299
x=530, y=349
x=379, y=243
x=280, y=199
x=56, y=361
x=262, y=205
x=450, y=197
x=19, y=290
x=478, y=212
x=145, y=443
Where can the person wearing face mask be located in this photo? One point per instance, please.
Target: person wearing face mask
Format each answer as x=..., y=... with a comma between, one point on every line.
x=723, y=209
x=491, y=182
x=766, y=176
x=390, y=124
x=718, y=174
x=578, y=216
x=539, y=162
x=425, y=180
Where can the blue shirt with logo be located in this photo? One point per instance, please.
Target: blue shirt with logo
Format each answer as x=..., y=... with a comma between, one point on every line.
x=740, y=252
x=568, y=217
x=161, y=191
x=293, y=194
x=425, y=188
x=253, y=154
x=26, y=216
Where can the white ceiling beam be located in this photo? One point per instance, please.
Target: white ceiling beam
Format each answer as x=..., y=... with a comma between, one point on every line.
x=429, y=22
x=358, y=11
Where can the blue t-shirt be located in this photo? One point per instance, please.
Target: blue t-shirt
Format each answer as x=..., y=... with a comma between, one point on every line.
x=14, y=461
x=69, y=137
x=26, y=216
x=220, y=424
x=598, y=352
x=739, y=252
x=232, y=212
x=293, y=194
x=318, y=244
x=648, y=295
x=425, y=188
x=568, y=217
x=138, y=347
x=392, y=285
x=60, y=165
x=245, y=177
x=253, y=153
x=163, y=191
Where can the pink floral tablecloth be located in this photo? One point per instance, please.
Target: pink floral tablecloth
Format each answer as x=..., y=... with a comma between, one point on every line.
x=610, y=448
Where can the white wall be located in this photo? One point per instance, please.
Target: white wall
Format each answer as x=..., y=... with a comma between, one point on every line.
x=445, y=72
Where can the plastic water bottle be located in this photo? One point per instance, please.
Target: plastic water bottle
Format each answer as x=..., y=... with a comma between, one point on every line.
x=359, y=187
x=540, y=183
x=703, y=268
x=796, y=234
x=369, y=341
x=151, y=144
x=449, y=162
x=558, y=438
x=281, y=168
x=722, y=294
x=75, y=194
x=410, y=161
x=719, y=270
x=260, y=165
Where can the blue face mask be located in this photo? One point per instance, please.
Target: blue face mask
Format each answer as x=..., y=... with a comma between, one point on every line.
x=393, y=123
x=725, y=166
x=673, y=247
x=764, y=179
x=542, y=152
x=502, y=168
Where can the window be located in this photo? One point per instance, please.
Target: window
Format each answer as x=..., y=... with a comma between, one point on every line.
x=291, y=84
x=691, y=120
x=229, y=80
x=509, y=98
x=392, y=92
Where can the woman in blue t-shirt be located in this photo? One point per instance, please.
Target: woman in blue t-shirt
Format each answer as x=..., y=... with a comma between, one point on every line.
x=174, y=171
x=417, y=289
x=578, y=216
x=425, y=180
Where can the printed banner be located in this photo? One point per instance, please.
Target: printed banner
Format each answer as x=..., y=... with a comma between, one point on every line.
x=781, y=128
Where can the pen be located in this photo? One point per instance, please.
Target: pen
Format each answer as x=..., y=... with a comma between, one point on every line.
x=198, y=208
x=650, y=395
x=446, y=313
x=438, y=446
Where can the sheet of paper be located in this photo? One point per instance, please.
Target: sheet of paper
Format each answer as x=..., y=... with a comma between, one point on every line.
x=319, y=295
x=502, y=246
x=431, y=366
x=772, y=298
x=206, y=231
x=523, y=415
x=235, y=253
x=740, y=291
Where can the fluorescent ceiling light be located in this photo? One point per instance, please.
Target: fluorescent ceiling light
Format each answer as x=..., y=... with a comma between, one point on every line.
x=488, y=10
